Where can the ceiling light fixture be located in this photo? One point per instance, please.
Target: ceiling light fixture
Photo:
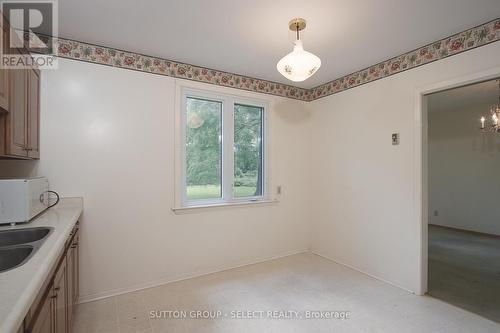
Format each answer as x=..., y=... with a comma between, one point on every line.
x=495, y=115
x=299, y=64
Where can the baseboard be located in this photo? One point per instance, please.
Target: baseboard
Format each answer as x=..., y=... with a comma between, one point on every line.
x=120, y=291
x=363, y=272
x=479, y=233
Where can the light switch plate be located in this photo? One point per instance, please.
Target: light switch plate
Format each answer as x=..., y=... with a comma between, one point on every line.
x=395, y=139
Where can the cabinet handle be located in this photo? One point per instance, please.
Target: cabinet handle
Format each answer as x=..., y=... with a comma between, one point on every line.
x=57, y=288
x=27, y=149
x=73, y=246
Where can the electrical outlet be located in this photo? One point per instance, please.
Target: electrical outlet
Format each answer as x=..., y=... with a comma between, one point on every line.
x=278, y=190
x=395, y=139
x=436, y=212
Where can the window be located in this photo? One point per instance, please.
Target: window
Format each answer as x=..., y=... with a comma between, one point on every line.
x=223, y=153
x=203, y=149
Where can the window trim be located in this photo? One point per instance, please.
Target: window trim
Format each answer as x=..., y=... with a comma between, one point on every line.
x=227, y=165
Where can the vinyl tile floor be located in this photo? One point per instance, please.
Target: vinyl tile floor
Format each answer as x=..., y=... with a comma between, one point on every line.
x=298, y=293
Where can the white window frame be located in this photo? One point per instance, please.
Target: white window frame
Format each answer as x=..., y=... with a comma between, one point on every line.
x=228, y=102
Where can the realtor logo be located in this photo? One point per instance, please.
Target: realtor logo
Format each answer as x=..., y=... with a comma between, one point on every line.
x=28, y=42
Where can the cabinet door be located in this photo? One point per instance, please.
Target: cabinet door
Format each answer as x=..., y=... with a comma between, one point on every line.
x=76, y=266
x=33, y=113
x=4, y=73
x=17, y=135
x=4, y=90
x=70, y=263
x=44, y=323
x=60, y=300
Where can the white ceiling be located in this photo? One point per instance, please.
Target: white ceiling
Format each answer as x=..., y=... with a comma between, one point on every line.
x=249, y=37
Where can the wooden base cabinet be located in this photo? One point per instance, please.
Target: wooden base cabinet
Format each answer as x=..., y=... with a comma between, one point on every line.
x=61, y=300
x=53, y=312
x=72, y=278
x=44, y=322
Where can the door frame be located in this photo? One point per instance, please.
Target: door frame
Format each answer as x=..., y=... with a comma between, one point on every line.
x=421, y=159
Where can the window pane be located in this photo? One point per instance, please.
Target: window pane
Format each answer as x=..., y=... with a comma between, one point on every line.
x=203, y=149
x=248, y=173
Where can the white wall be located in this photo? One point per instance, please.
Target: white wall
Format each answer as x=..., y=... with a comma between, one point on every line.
x=464, y=182
x=364, y=187
x=107, y=134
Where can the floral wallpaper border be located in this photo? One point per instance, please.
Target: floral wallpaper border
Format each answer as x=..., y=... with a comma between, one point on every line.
x=117, y=58
x=446, y=47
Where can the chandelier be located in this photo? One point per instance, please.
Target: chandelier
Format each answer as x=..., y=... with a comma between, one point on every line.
x=299, y=64
x=494, y=114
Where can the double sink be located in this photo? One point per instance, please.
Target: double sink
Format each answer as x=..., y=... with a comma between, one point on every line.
x=18, y=245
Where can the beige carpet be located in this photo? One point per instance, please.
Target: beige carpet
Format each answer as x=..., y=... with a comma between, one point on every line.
x=464, y=270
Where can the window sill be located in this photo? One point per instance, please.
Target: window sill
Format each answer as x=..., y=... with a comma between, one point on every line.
x=201, y=208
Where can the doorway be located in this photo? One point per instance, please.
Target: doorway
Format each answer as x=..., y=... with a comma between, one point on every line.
x=462, y=176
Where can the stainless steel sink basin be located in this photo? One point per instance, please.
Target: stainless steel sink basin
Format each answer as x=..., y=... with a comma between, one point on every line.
x=11, y=257
x=22, y=236
x=17, y=245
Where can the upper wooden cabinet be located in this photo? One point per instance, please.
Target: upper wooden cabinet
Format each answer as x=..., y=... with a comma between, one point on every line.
x=16, y=119
x=19, y=110
x=21, y=123
x=4, y=73
x=4, y=90
x=33, y=113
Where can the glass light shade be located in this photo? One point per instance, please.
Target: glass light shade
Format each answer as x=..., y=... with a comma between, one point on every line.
x=299, y=64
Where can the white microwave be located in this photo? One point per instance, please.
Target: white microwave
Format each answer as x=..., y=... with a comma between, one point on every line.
x=23, y=199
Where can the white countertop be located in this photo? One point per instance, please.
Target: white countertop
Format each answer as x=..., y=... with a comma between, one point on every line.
x=20, y=286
